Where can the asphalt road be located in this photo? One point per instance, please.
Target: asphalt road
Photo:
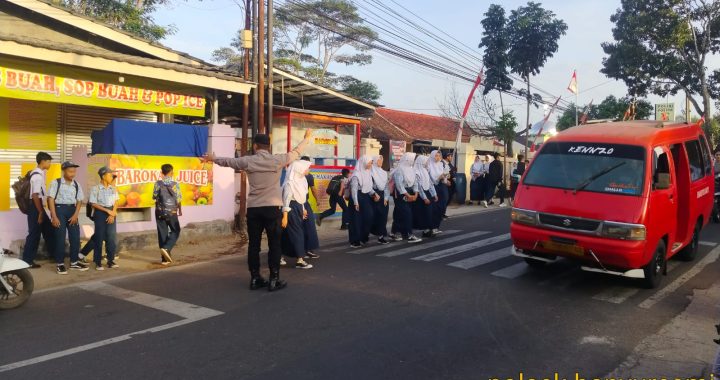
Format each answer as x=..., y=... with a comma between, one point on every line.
x=455, y=307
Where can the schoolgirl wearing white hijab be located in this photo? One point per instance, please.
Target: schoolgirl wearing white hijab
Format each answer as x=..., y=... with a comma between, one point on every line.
x=423, y=209
x=381, y=200
x=362, y=196
x=295, y=191
x=439, y=178
x=405, y=194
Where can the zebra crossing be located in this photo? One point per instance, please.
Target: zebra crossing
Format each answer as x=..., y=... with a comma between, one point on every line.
x=491, y=253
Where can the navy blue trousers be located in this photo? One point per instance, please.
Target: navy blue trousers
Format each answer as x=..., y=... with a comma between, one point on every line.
x=104, y=233
x=310, y=230
x=35, y=230
x=380, y=215
x=293, y=236
x=64, y=213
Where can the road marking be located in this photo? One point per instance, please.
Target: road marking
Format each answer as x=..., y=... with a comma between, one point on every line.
x=710, y=258
x=189, y=312
x=420, y=246
x=381, y=247
x=482, y=259
x=462, y=248
x=708, y=243
x=512, y=272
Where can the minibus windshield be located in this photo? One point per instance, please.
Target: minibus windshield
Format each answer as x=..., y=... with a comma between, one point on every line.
x=594, y=167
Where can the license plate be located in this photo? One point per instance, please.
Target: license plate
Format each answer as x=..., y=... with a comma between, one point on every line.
x=564, y=248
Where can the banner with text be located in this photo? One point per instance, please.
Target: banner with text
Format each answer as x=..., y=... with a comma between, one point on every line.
x=322, y=176
x=136, y=177
x=27, y=85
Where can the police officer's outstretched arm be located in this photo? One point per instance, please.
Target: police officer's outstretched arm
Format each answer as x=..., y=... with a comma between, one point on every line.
x=299, y=149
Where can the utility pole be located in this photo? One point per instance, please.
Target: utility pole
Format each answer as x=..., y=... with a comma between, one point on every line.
x=270, y=65
x=255, y=70
x=246, y=76
x=261, y=67
x=687, y=109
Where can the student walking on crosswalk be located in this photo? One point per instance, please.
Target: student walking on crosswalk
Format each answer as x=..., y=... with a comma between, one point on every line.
x=380, y=204
x=295, y=191
x=406, y=193
x=439, y=178
x=425, y=209
x=362, y=196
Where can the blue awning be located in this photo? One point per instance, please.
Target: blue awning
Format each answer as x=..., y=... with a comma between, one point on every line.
x=122, y=136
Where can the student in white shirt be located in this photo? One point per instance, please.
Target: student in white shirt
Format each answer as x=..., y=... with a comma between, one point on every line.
x=37, y=219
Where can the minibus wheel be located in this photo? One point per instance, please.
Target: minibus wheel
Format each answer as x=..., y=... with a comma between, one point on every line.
x=690, y=251
x=656, y=267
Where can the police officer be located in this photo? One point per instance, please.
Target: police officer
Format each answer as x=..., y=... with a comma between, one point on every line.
x=64, y=202
x=264, y=204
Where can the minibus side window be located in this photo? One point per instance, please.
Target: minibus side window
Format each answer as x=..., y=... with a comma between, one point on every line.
x=697, y=168
x=707, y=159
x=661, y=165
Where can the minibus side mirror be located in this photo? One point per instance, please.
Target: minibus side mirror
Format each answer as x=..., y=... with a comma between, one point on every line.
x=663, y=181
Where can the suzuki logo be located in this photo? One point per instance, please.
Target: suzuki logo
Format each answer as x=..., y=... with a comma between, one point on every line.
x=567, y=222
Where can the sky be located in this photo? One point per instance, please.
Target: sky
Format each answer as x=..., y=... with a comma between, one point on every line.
x=205, y=25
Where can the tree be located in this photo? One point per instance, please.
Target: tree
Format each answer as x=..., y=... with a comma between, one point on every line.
x=662, y=46
x=359, y=89
x=533, y=33
x=504, y=131
x=133, y=16
x=610, y=108
x=495, y=57
x=329, y=24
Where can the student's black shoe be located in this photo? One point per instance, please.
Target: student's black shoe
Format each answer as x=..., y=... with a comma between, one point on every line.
x=61, y=269
x=257, y=282
x=79, y=266
x=445, y=217
x=344, y=227
x=717, y=341
x=428, y=234
x=355, y=245
x=318, y=221
x=310, y=255
x=275, y=282
x=34, y=265
x=383, y=241
x=113, y=265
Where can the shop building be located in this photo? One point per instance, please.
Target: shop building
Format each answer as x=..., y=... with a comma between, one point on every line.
x=63, y=76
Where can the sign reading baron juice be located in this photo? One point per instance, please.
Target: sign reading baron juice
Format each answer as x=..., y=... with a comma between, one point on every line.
x=136, y=177
x=27, y=85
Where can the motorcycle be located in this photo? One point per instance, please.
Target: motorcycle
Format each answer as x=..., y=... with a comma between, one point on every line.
x=716, y=203
x=16, y=281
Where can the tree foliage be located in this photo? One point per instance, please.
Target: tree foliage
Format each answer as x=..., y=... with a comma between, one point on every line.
x=504, y=131
x=132, y=16
x=610, y=108
x=495, y=56
x=662, y=47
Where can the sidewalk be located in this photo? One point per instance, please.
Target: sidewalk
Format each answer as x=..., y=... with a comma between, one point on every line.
x=193, y=250
x=682, y=348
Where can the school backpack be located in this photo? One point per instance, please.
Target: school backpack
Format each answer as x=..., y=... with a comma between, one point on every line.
x=22, y=192
x=166, y=204
x=334, y=185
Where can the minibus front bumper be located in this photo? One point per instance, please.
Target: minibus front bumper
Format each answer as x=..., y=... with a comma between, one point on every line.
x=599, y=254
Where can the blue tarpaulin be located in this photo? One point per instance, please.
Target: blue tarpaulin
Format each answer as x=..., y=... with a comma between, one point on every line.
x=123, y=136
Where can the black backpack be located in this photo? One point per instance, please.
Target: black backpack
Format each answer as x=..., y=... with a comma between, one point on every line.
x=334, y=185
x=59, y=181
x=166, y=204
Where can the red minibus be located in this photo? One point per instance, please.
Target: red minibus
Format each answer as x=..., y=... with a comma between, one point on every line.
x=620, y=197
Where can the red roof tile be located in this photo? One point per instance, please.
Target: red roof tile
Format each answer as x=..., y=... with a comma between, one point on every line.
x=410, y=126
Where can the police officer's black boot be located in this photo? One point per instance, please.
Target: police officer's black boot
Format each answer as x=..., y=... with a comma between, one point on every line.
x=275, y=282
x=257, y=281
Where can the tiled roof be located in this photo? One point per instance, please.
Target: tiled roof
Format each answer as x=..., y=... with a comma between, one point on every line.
x=410, y=126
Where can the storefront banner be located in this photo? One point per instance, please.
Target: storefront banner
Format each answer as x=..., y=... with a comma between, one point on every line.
x=323, y=175
x=397, y=149
x=137, y=176
x=325, y=137
x=4, y=186
x=27, y=85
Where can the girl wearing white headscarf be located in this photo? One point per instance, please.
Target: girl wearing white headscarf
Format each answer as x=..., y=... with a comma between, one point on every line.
x=295, y=191
x=439, y=178
x=381, y=200
x=362, y=195
x=423, y=209
x=476, y=185
x=405, y=194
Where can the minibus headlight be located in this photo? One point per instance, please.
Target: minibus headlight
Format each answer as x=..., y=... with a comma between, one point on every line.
x=624, y=231
x=524, y=216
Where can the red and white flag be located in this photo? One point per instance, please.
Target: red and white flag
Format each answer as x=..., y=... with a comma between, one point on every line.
x=572, y=87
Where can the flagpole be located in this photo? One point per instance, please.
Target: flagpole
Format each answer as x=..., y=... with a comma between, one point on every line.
x=577, y=103
x=464, y=115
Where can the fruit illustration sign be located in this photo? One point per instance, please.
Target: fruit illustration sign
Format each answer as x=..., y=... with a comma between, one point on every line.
x=136, y=177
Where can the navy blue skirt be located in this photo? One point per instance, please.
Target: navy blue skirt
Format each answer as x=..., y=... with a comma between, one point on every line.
x=380, y=215
x=310, y=230
x=422, y=214
x=293, y=236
